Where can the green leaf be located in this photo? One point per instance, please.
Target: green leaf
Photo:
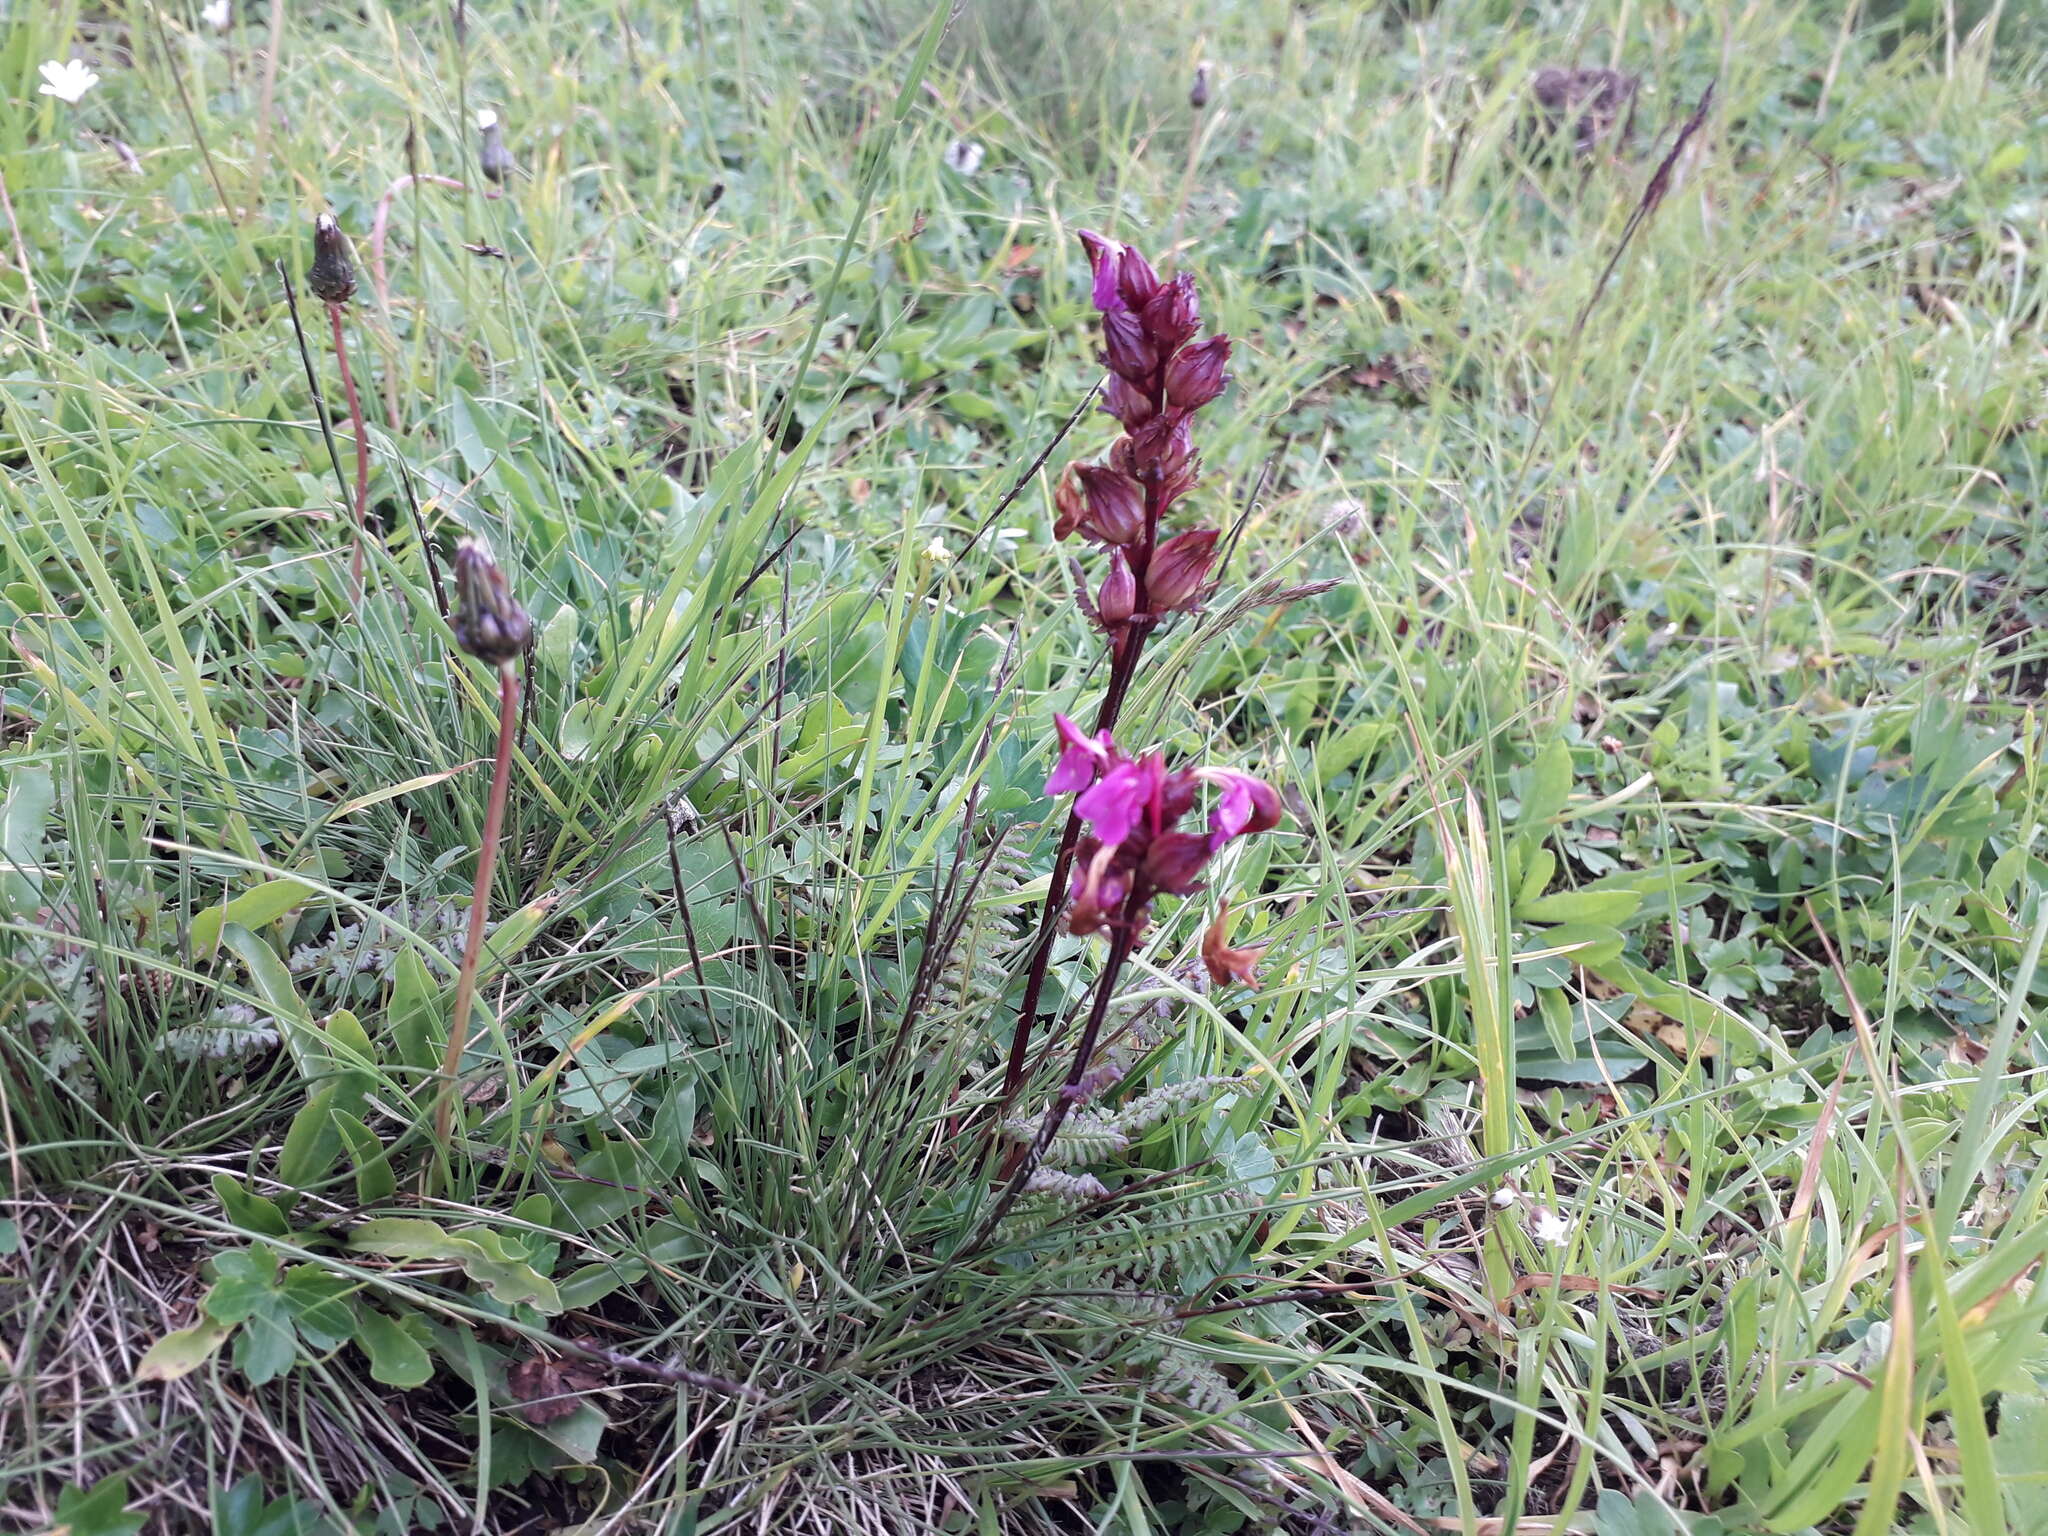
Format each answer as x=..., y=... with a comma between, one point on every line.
x=31, y=792
x=266, y=1347
x=261, y=904
x=311, y=1143
x=397, y=1352
x=2021, y=1449
x=593, y=1282
x=1550, y=786
x=245, y=1281
x=101, y=1510
x=480, y=1251
x=375, y=1181
x=183, y=1352
x=248, y=1210
x=1581, y=906
x=413, y=1015
x=273, y=983
x=317, y=1300
x=1587, y=943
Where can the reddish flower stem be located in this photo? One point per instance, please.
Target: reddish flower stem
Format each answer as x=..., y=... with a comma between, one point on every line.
x=479, y=905
x=355, y=418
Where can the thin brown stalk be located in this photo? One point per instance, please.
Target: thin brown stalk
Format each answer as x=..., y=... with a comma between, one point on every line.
x=28, y=278
x=479, y=906
x=355, y=418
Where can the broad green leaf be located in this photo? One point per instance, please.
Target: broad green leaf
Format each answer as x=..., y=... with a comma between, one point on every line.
x=318, y=1302
x=31, y=793
x=480, y=1252
x=1607, y=908
x=1550, y=786
x=252, y=909
x=375, y=1181
x=251, y=1212
x=398, y=1358
x=101, y=1510
x=183, y=1352
x=311, y=1143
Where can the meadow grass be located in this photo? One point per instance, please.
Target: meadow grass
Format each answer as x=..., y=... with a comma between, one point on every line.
x=1638, y=1127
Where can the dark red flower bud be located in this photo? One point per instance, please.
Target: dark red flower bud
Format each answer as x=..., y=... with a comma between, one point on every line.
x=1121, y=459
x=1180, y=570
x=1173, y=314
x=1125, y=348
x=1198, y=93
x=1126, y=401
x=332, y=277
x=1174, y=861
x=1136, y=280
x=488, y=623
x=1116, y=505
x=1068, y=507
x=1118, y=599
x=1196, y=376
x=1160, y=447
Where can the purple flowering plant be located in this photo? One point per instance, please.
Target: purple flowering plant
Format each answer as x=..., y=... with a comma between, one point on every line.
x=1125, y=843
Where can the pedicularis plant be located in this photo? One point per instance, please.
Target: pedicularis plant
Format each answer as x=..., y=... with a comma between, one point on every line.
x=1124, y=830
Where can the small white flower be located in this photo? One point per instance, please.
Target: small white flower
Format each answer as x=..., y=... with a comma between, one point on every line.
x=216, y=14
x=1504, y=1197
x=937, y=550
x=964, y=156
x=486, y=119
x=68, y=80
x=1548, y=1228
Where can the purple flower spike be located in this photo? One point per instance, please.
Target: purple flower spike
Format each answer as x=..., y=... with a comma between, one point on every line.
x=1106, y=257
x=1081, y=757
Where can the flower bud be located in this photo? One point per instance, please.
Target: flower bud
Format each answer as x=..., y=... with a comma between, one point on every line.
x=1118, y=599
x=332, y=277
x=1196, y=376
x=1116, y=505
x=492, y=157
x=1162, y=446
x=1180, y=570
x=1127, y=402
x=1106, y=257
x=1174, y=861
x=1125, y=348
x=1136, y=279
x=1174, y=313
x=1198, y=93
x=488, y=623
x=1068, y=507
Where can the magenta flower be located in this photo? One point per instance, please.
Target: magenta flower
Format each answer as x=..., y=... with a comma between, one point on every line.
x=1117, y=802
x=1082, y=757
x=1247, y=805
x=1132, y=807
x=1106, y=257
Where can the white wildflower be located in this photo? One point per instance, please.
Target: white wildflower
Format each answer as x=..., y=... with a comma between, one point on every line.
x=964, y=156
x=937, y=550
x=216, y=14
x=1548, y=1228
x=69, y=80
x=1505, y=1196
x=486, y=119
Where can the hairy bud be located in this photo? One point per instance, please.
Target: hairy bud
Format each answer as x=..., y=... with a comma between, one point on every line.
x=1180, y=570
x=488, y=622
x=332, y=277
